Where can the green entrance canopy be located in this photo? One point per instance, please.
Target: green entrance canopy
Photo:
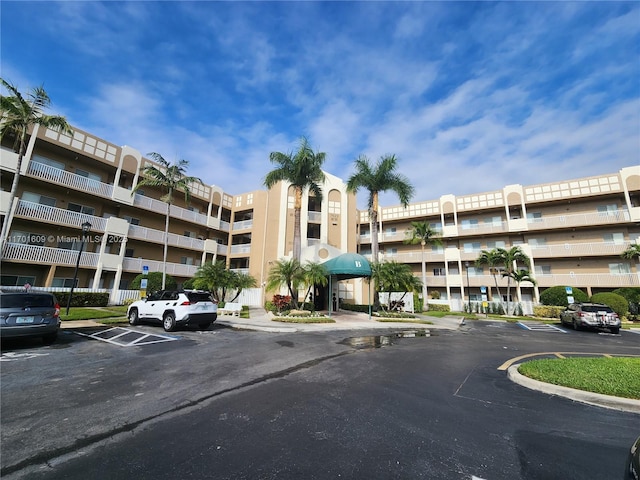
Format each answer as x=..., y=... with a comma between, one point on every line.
x=345, y=266
x=348, y=265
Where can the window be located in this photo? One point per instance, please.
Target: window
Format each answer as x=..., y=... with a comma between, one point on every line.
x=189, y=234
x=37, y=198
x=89, y=175
x=496, y=221
x=74, y=207
x=607, y=209
x=16, y=280
x=391, y=251
x=390, y=230
x=496, y=244
x=537, y=242
x=128, y=252
x=542, y=270
x=439, y=272
x=471, y=246
x=619, y=268
x=469, y=224
x=436, y=226
x=475, y=271
x=48, y=161
x=193, y=209
x=131, y=220
x=62, y=282
x=614, y=238
x=27, y=238
x=534, y=217
x=437, y=248
x=186, y=260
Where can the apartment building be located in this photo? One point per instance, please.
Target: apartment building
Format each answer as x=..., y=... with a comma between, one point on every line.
x=68, y=181
x=573, y=230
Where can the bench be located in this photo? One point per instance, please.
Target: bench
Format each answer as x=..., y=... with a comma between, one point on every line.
x=230, y=308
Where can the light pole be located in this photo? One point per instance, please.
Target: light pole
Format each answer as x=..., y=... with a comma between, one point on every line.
x=466, y=265
x=86, y=227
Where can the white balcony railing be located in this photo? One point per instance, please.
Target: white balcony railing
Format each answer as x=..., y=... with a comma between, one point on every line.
x=58, y=216
x=159, y=206
x=242, y=225
x=578, y=249
x=245, y=248
x=157, y=236
x=72, y=180
x=176, y=269
x=48, y=255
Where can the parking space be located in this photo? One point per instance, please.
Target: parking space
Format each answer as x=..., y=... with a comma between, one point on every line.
x=127, y=337
x=541, y=327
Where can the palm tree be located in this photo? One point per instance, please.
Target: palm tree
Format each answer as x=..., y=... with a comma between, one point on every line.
x=379, y=178
x=510, y=260
x=632, y=253
x=494, y=260
x=302, y=170
x=423, y=233
x=17, y=116
x=521, y=275
x=217, y=279
x=169, y=177
x=394, y=277
x=314, y=274
x=287, y=273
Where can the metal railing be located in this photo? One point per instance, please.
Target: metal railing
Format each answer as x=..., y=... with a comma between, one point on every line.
x=45, y=213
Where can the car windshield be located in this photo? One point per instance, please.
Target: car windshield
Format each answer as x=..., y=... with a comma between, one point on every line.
x=195, y=297
x=596, y=308
x=25, y=300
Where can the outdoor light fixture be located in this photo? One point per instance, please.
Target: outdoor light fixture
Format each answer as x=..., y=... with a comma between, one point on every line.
x=86, y=227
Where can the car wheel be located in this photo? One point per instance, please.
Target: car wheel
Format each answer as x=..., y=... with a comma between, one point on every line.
x=50, y=338
x=169, y=322
x=204, y=326
x=576, y=325
x=133, y=317
x=615, y=330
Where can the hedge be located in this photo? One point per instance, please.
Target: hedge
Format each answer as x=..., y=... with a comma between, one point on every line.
x=437, y=307
x=558, y=296
x=547, y=311
x=83, y=299
x=617, y=302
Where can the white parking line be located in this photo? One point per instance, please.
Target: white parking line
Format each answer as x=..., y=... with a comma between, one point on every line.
x=114, y=336
x=11, y=356
x=541, y=327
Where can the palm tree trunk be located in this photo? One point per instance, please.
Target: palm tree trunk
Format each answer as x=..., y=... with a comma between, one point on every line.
x=495, y=278
x=166, y=243
x=297, y=247
x=374, y=228
x=12, y=193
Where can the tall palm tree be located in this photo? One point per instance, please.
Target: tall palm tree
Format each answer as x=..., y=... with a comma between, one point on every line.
x=287, y=273
x=632, y=253
x=17, y=115
x=302, y=169
x=510, y=260
x=379, y=178
x=394, y=277
x=169, y=177
x=494, y=260
x=521, y=275
x=424, y=234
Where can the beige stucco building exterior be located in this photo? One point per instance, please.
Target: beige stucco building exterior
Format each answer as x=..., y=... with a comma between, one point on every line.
x=573, y=230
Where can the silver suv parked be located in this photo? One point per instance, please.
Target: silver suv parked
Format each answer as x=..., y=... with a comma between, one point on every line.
x=29, y=314
x=590, y=315
x=175, y=308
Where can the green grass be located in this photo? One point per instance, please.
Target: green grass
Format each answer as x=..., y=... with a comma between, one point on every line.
x=85, y=313
x=403, y=320
x=616, y=376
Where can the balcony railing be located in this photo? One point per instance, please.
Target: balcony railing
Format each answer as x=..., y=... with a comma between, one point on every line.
x=72, y=180
x=244, y=248
x=157, y=236
x=578, y=249
x=58, y=216
x=159, y=206
x=242, y=225
x=176, y=269
x=48, y=255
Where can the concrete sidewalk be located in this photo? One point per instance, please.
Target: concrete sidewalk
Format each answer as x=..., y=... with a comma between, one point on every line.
x=262, y=320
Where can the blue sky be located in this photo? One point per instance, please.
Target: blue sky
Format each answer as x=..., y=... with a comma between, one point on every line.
x=469, y=96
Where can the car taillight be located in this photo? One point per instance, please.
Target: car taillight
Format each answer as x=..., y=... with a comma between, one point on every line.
x=187, y=302
x=57, y=312
x=581, y=314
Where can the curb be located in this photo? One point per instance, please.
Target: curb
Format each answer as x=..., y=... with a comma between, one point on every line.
x=597, y=399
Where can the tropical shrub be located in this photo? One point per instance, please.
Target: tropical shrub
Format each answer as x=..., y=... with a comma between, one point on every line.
x=547, y=311
x=558, y=296
x=618, y=303
x=154, y=282
x=436, y=307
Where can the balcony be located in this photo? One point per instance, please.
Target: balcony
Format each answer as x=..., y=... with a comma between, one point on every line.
x=47, y=255
x=157, y=236
x=158, y=206
x=58, y=216
x=174, y=269
x=68, y=179
x=242, y=225
x=578, y=249
x=577, y=220
x=244, y=248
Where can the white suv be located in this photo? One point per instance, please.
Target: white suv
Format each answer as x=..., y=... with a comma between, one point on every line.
x=175, y=308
